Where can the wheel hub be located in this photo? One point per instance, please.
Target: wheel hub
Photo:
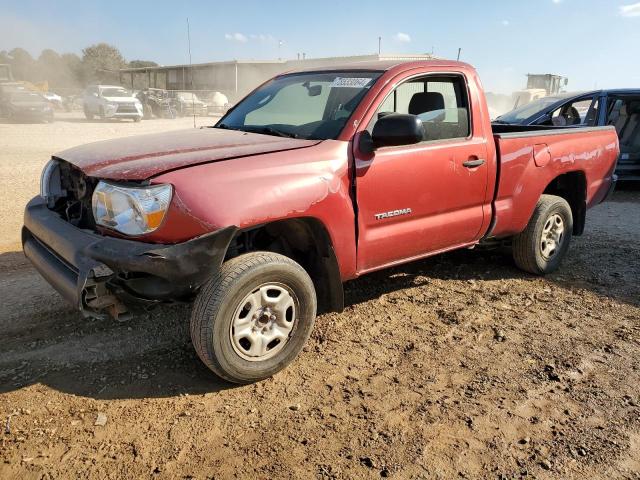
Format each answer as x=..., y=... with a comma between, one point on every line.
x=552, y=236
x=263, y=322
x=264, y=317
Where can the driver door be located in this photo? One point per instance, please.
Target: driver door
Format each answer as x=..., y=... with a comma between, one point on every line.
x=415, y=200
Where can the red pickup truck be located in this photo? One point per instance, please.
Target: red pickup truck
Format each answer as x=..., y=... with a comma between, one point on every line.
x=315, y=178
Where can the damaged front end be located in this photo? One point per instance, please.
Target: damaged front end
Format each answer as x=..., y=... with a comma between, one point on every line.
x=102, y=275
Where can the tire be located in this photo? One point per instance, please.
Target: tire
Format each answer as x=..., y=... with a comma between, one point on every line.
x=87, y=114
x=540, y=248
x=233, y=303
x=137, y=119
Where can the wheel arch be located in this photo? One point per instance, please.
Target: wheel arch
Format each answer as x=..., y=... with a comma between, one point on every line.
x=572, y=186
x=305, y=240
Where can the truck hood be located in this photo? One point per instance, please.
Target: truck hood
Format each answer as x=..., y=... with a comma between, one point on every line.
x=145, y=156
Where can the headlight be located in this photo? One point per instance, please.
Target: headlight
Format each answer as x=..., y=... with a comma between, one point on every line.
x=130, y=210
x=50, y=184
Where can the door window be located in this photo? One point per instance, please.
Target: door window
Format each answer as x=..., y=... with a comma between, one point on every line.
x=579, y=112
x=440, y=102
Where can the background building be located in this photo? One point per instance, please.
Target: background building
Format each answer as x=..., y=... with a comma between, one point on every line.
x=234, y=78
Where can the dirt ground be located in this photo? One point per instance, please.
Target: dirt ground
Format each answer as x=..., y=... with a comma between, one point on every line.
x=459, y=366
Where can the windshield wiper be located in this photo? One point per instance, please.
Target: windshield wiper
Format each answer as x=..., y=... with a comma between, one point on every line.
x=266, y=130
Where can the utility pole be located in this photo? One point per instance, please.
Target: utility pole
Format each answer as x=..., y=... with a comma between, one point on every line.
x=193, y=95
x=279, y=48
x=379, y=45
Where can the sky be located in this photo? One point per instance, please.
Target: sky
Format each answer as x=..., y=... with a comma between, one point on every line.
x=592, y=42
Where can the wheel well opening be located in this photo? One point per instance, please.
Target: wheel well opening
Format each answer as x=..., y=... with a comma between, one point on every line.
x=306, y=241
x=572, y=187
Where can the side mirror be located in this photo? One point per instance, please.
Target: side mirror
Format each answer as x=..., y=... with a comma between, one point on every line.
x=397, y=129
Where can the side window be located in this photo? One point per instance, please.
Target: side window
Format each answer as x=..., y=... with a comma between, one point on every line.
x=579, y=112
x=440, y=102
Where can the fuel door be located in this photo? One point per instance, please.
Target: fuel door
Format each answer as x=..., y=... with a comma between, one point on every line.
x=541, y=154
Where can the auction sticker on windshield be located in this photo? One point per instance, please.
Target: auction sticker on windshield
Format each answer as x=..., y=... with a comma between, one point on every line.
x=343, y=82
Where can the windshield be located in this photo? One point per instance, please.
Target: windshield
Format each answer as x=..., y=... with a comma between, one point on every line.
x=26, y=97
x=528, y=110
x=115, y=92
x=306, y=105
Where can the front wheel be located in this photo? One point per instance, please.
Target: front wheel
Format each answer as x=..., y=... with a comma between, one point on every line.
x=540, y=248
x=253, y=317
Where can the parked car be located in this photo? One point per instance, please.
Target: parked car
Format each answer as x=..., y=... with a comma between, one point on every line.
x=315, y=178
x=108, y=101
x=24, y=105
x=188, y=103
x=619, y=108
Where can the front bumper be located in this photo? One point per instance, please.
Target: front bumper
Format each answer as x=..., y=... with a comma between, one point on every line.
x=32, y=114
x=123, y=115
x=99, y=274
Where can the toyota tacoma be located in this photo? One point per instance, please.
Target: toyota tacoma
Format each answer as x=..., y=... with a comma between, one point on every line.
x=315, y=178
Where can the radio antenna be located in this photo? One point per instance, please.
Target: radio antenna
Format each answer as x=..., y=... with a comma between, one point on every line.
x=193, y=95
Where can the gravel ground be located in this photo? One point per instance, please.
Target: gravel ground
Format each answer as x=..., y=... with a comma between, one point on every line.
x=459, y=366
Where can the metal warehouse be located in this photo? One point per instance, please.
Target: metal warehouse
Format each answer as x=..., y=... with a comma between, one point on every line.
x=234, y=78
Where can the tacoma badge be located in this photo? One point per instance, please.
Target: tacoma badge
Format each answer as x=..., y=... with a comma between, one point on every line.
x=393, y=213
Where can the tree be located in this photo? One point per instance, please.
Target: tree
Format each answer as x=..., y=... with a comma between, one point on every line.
x=49, y=67
x=73, y=64
x=22, y=64
x=102, y=61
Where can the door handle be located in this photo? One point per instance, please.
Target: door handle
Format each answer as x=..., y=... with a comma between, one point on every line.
x=474, y=163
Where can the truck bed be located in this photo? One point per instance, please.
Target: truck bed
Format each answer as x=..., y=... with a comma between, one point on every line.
x=531, y=160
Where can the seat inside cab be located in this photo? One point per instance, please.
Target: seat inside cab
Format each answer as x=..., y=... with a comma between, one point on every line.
x=624, y=115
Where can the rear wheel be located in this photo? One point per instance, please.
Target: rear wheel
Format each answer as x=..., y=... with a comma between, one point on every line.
x=253, y=318
x=87, y=114
x=540, y=248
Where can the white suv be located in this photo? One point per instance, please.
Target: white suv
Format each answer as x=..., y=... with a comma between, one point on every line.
x=108, y=101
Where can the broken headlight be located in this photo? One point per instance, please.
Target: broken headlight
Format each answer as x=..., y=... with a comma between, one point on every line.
x=130, y=210
x=50, y=183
